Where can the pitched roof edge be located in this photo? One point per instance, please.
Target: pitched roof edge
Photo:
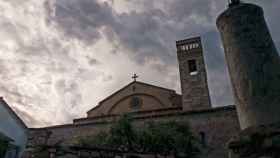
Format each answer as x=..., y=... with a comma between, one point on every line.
x=99, y=104
x=13, y=113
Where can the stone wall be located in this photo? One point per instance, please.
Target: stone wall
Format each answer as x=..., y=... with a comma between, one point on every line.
x=253, y=64
x=152, y=97
x=218, y=124
x=195, y=93
x=137, y=114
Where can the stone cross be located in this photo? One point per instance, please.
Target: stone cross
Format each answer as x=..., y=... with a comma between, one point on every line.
x=134, y=77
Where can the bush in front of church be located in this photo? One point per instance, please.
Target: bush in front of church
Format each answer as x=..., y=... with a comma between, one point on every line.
x=157, y=138
x=3, y=147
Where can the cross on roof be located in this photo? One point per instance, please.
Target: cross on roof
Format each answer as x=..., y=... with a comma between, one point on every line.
x=134, y=77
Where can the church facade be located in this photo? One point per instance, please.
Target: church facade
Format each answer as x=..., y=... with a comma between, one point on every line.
x=145, y=102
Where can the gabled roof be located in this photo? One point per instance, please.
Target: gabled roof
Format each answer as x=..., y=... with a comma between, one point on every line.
x=12, y=113
x=134, y=82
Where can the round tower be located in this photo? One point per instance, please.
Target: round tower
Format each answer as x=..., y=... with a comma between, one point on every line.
x=253, y=63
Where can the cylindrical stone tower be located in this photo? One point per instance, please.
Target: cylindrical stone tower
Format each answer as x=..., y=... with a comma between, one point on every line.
x=253, y=63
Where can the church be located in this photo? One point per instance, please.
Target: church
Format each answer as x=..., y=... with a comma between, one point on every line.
x=145, y=102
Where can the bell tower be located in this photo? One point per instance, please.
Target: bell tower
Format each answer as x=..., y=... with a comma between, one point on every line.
x=195, y=93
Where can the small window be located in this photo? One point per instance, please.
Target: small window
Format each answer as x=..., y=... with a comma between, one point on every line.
x=135, y=102
x=192, y=67
x=203, y=138
x=191, y=46
x=182, y=47
x=187, y=47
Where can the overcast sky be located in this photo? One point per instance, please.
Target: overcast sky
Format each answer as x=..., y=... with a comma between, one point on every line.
x=58, y=58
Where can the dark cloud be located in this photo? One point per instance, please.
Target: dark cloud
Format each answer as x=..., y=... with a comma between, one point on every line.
x=152, y=32
x=82, y=20
x=149, y=33
x=52, y=59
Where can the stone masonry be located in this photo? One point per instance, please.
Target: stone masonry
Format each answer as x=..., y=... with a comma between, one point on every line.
x=218, y=124
x=253, y=64
x=214, y=126
x=195, y=93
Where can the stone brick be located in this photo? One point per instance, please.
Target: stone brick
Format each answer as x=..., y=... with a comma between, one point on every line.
x=253, y=64
x=195, y=93
x=218, y=124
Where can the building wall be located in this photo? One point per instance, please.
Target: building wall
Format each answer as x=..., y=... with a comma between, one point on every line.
x=253, y=64
x=152, y=98
x=195, y=93
x=219, y=125
x=145, y=102
x=12, y=128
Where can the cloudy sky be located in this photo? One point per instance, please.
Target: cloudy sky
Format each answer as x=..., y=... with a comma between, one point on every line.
x=59, y=58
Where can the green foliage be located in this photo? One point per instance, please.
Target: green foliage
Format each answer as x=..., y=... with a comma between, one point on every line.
x=158, y=138
x=169, y=138
x=122, y=134
x=101, y=140
x=41, y=152
x=3, y=148
x=276, y=141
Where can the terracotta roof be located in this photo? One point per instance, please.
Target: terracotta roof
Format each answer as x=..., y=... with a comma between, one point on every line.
x=110, y=96
x=12, y=113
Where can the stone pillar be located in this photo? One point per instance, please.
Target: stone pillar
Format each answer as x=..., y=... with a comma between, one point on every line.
x=253, y=63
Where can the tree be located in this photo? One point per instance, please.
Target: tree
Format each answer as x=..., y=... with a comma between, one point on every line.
x=158, y=138
x=169, y=138
x=121, y=136
x=3, y=147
